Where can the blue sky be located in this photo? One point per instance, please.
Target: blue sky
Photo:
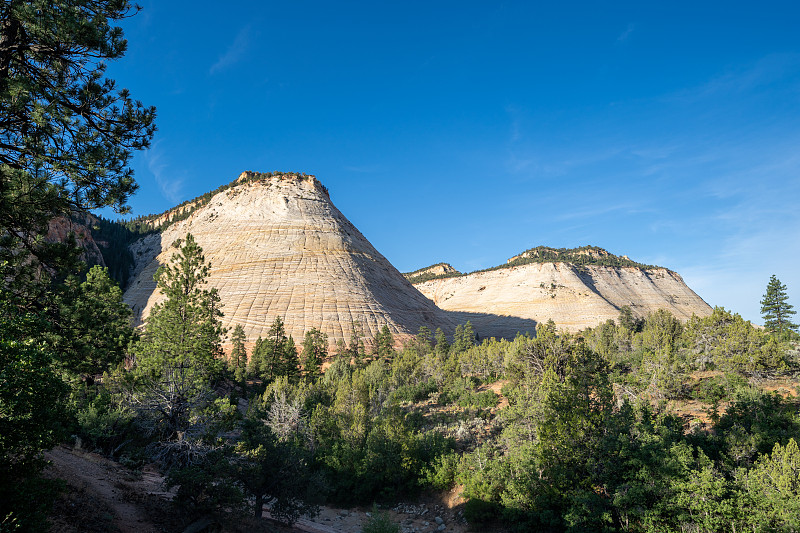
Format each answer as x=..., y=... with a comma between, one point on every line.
x=467, y=132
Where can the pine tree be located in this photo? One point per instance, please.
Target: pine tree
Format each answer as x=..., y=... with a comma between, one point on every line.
x=180, y=352
x=290, y=362
x=356, y=347
x=442, y=347
x=275, y=345
x=315, y=350
x=422, y=341
x=93, y=325
x=776, y=310
x=238, y=361
x=66, y=131
x=256, y=358
x=384, y=343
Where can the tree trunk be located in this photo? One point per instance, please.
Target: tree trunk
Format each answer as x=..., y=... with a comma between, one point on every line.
x=259, y=510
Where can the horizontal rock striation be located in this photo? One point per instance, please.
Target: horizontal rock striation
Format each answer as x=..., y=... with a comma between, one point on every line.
x=574, y=297
x=279, y=247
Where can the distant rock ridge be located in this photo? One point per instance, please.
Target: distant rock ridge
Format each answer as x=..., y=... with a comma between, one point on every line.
x=573, y=296
x=439, y=270
x=279, y=247
x=79, y=224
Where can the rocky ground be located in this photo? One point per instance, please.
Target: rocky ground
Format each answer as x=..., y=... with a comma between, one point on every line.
x=104, y=496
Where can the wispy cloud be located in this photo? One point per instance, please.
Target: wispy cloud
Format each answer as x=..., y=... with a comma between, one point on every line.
x=235, y=51
x=170, y=184
x=763, y=72
x=599, y=211
x=516, y=115
x=625, y=35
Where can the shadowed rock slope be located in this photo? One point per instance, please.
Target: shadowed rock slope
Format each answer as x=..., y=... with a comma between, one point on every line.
x=279, y=247
x=573, y=296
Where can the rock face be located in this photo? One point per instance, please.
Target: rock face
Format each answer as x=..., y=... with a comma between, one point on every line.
x=60, y=227
x=437, y=270
x=575, y=297
x=279, y=247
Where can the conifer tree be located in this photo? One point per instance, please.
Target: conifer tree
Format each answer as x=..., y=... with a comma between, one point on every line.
x=463, y=338
x=315, y=350
x=238, y=361
x=442, y=346
x=384, y=343
x=180, y=352
x=290, y=364
x=274, y=351
x=256, y=358
x=776, y=309
x=93, y=325
x=356, y=347
x=66, y=131
x=422, y=341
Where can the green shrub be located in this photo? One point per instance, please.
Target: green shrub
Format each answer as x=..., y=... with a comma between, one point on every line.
x=477, y=511
x=102, y=425
x=414, y=393
x=380, y=522
x=441, y=473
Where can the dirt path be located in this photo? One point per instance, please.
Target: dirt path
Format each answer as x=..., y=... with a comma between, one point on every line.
x=103, y=497
x=110, y=496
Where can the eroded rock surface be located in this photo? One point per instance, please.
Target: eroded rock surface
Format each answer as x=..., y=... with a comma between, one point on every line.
x=60, y=227
x=574, y=297
x=279, y=247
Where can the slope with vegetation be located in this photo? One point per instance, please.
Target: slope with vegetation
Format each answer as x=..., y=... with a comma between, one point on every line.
x=583, y=439
x=437, y=271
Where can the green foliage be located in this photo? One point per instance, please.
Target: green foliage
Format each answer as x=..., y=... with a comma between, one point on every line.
x=32, y=407
x=67, y=133
x=180, y=353
x=461, y=392
x=379, y=522
x=776, y=309
x=315, y=350
x=628, y=321
x=206, y=485
x=384, y=343
x=425, y=274
x=414, y=392
x=102, y=425
x=727, y=342
x=184, y=330
x=771, y=490
x=275, y=356
x=463, y=338
x=752, y=424
x=94, y=325
x=113, y=239
x=715, y=389
x=276, y=471
x=441, y=474
x=237, y=363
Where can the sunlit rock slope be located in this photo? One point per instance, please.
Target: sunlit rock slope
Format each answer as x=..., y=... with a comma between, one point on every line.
x=573, y=296
x=279, y=247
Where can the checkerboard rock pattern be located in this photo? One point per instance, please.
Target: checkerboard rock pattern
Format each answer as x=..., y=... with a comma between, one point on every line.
x=279, y=247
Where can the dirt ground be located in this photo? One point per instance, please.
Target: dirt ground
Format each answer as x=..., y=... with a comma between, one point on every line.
x=103, y=496
x=418, y=517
